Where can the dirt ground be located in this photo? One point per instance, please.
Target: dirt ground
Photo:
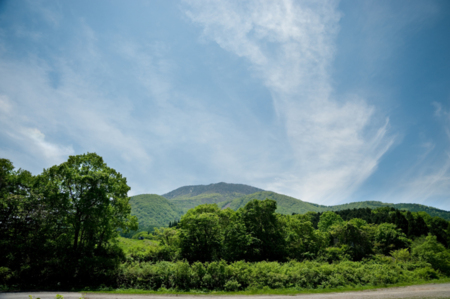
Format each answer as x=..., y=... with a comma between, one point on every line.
x=421, y=291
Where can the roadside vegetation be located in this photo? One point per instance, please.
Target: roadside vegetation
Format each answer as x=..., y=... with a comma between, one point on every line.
x=60, y=230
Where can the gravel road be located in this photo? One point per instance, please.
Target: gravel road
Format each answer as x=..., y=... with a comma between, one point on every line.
x=421, y=291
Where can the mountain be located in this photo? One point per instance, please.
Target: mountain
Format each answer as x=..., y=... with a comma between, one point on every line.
x=153, y=210
x=188, y=197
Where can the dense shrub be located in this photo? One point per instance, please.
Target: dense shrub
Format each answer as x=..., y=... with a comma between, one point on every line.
x=242, y=275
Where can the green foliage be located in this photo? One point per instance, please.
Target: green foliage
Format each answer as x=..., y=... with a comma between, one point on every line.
x=236, y=240
x=265, y=230
x=388, y=238
x=397, y=218
x=355, y=235
x=401, y=255
x=92, y=197
x=433, y=252
x=144, y=235
x=328, y=219
x=438, y=227
x=241, y=275
x=401, y=206
x=57, y=228
x=335, y=254
x=301, y=239
x=200, y=234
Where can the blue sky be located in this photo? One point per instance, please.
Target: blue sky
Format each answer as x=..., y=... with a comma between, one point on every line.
x=325, y=101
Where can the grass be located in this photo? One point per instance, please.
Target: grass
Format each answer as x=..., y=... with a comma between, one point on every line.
x=266, y=290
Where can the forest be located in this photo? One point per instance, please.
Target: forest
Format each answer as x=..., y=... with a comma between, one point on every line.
x=60, y=229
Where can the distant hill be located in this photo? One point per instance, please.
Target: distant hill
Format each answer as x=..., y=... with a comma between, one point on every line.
x=153, y=210
x=187, y=197
x=401, y=206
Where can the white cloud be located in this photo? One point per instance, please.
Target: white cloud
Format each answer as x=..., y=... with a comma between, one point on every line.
x=76, y=113
x=335, y=143
x=28, y=138
x=52, y=152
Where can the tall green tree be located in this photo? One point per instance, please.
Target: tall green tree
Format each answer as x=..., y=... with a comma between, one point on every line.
x=328, y=219
x=388, y=238
x=438, y=227
x=302, y=240
x=22, y=222
x=266, y=231
x=59, y=227
x=396, y=217
x=201, y=233
x=355, y=235
x=92, y=199
x=236, y=240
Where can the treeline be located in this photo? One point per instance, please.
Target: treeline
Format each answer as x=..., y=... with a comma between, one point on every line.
x=256, y=233
x=56, y=228
x=413, y=224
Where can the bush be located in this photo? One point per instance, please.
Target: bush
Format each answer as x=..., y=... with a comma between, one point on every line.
x=433, y=252
x=244, y=275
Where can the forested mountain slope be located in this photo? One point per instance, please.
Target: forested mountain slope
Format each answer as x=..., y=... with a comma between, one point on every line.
x=285, y=204
x=153, y=210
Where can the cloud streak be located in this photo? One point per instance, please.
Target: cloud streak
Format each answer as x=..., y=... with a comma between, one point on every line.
x=335, y=143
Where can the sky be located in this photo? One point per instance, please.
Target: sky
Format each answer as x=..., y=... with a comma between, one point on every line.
x=326, y=101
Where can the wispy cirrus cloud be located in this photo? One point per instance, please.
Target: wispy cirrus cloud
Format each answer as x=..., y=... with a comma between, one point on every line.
x=336, y=143
x=428, y=179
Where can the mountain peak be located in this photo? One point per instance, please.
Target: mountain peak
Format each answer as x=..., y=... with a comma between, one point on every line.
x=218, y=188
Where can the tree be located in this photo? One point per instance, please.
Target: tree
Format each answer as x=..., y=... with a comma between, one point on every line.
x=433, y=252
x=438, y=227
x=200, y=234
x=416, y=225
x=88, y=204
x=448, y=235
x=302, y=240
x=22, y=223
x=236, y=240
x=266, y=231
x=388, y=237
x=92, y=198
x=355, y=235
x=328, y=219
x=399, y=220
x=421, y=228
